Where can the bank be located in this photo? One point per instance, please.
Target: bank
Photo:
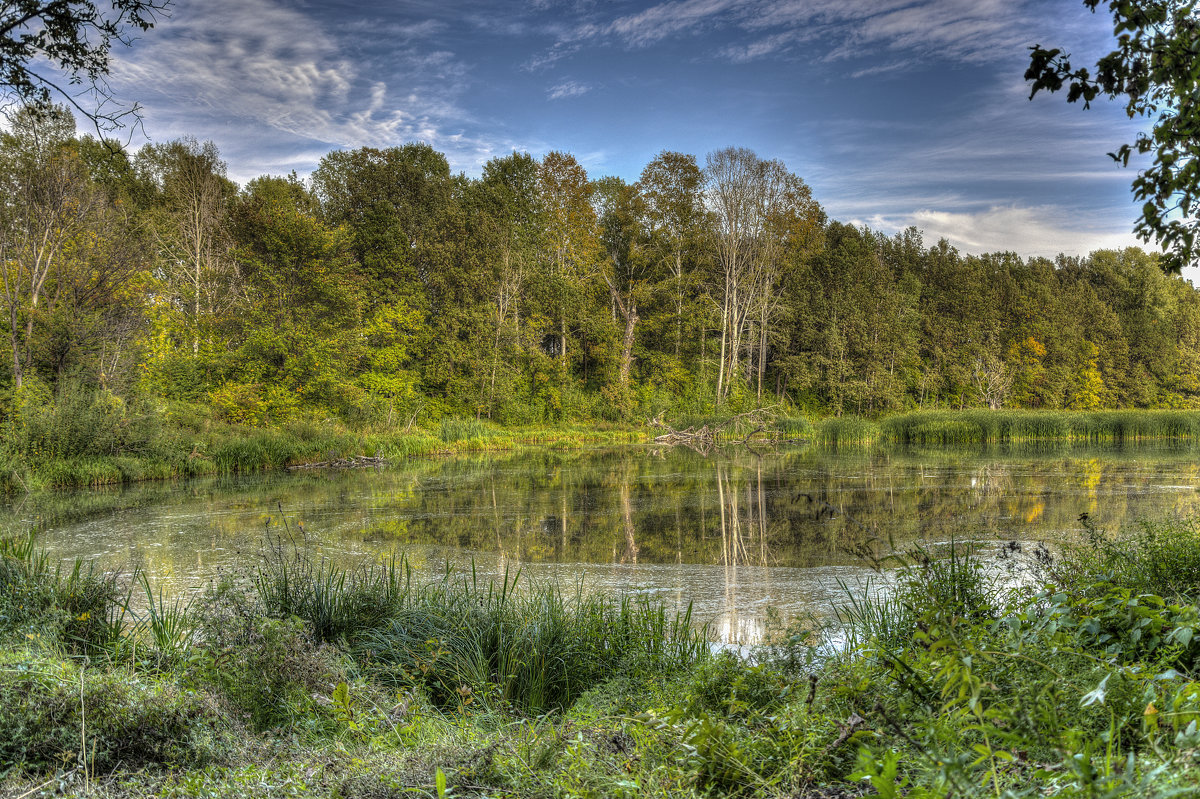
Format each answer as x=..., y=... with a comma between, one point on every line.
x=295, y=678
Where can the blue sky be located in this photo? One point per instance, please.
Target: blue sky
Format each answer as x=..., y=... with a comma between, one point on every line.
x=896, y=112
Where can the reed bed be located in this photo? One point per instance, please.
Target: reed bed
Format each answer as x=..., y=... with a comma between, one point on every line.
x=846, y=430
x=1002, y=426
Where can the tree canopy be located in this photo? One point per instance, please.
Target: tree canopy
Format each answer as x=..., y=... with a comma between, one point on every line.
x=74, y=37
x=1155, y=68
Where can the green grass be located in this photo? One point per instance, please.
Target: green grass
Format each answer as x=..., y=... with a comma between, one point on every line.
x=993, y=427
x=846, y=430
x=466, y=640
x=978, y=672
x=231, y=449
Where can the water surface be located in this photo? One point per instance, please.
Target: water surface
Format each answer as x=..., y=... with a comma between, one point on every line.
x=733, y=535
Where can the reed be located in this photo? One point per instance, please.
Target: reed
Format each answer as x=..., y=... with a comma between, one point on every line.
x=533, y=647
x=83, y=609
x=475, y=431
x=1005, y=426
x=846, y=430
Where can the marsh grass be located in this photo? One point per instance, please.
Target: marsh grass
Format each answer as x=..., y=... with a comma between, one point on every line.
x=84, y=608
x=846, y=430
x=338, y=603
x=1002, y=426
x=533, y=647
x=1156, y=557
x=471, y=641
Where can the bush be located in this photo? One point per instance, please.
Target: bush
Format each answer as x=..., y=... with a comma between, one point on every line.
x=54, y=713
x=83, y=610
x=273, y=670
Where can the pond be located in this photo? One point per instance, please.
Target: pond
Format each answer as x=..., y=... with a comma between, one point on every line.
x=732, y=535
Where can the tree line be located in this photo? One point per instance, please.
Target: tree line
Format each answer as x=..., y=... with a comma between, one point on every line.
x=387, y=289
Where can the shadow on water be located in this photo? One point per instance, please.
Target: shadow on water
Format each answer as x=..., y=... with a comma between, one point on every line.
x=732, y=534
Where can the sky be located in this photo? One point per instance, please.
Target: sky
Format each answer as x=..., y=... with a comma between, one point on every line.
x=895, y=112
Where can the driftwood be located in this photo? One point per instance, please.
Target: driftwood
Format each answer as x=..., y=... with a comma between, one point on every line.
x=352, y=462
x=709, y=437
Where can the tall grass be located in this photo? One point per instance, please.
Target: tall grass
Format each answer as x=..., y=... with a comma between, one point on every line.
x=993, y=427
x=83, y=608
x=473, y=641
x=534, y=647
x=843, y=430
x=337, y=603
x=1156, y=557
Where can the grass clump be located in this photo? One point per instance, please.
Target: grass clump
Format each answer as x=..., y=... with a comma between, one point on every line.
x=846, y=430
x=84, y=609
x=469, y=641
x=534, y=648
x=1153, y=557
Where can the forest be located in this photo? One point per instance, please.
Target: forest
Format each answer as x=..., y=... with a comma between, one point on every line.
x=386, y=290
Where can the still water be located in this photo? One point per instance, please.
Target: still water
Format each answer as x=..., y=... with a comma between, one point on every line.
x=732, y=535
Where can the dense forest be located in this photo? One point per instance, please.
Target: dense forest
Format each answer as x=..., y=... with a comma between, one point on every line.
x=386, y=288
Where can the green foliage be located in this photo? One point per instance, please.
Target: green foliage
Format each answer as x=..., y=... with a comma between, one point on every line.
x=1154, y=70
x=83, y=610
x=271, y=669
x=337, y=604
x=993, y=427
x=536, y=649
x=55, y=713
x=1161, y=558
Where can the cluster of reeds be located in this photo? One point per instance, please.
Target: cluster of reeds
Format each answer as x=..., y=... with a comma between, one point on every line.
x=536, y=648
x=1002, y=426
x=845, y=430
x=532, y=646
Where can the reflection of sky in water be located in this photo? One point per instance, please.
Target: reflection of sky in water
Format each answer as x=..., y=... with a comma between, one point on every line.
x=732, y=536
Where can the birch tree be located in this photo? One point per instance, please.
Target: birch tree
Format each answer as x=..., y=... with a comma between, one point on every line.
x=762, y=215
x=191, y=228
x=46, y=205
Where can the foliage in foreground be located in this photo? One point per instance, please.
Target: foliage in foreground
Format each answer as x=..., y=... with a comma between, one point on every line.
x=976, y=672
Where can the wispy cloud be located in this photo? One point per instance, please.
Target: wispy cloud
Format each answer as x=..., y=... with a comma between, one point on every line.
x=567, y=89
x=970, y=31
x=266, y=70
x=670, y=19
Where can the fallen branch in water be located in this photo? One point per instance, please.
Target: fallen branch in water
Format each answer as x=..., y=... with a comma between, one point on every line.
x=709, y=437
x=353, y=462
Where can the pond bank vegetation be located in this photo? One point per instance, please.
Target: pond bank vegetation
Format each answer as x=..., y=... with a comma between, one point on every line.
x=1010, y=675
x=81, y=442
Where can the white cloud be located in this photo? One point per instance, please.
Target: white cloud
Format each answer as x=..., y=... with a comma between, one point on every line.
x=971, y=31
x=1029, y=231
x=567, y=89
x=255, y=74
x=668, y=19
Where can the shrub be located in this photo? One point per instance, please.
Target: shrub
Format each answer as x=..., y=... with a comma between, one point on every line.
x=55, y=713
x=273, y=670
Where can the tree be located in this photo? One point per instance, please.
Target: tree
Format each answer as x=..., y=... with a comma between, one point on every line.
x=74, y=37
x=1156, y=69
x=46, y=202
x=621, y=212
x=760, y=214
x=511, y=226
x=191, y=226
x=671, y=185
x=571, y=241
x=391, y=200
